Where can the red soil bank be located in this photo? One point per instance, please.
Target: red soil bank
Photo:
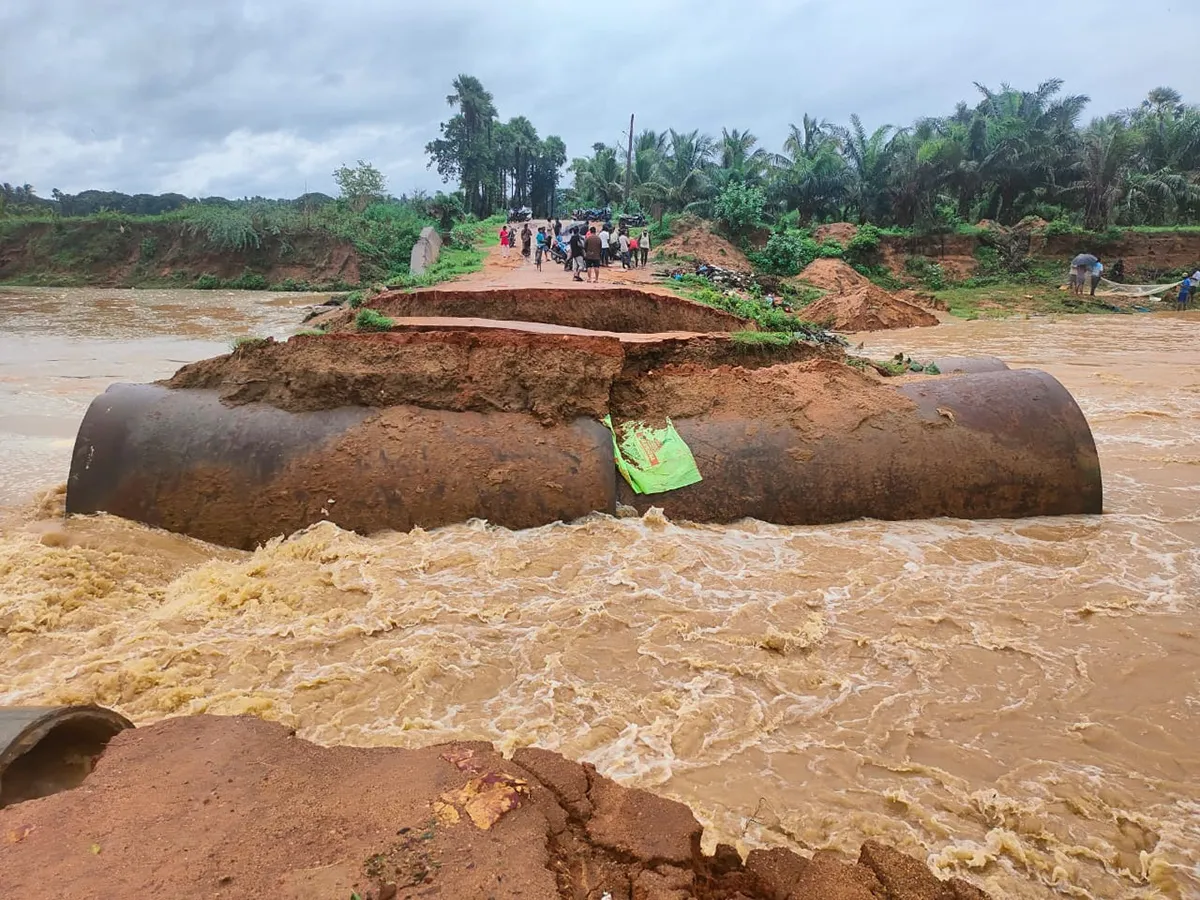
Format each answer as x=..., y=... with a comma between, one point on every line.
x=206, y=807
x=601, y=309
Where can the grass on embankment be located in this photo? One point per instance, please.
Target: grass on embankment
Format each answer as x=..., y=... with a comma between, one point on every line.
x=1014, y=298
x=767, y=318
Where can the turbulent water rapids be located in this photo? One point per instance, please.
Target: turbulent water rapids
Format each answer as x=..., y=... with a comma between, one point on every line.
x=1014, y=701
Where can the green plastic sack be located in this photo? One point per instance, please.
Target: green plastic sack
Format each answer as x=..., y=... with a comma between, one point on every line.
x=653, y=460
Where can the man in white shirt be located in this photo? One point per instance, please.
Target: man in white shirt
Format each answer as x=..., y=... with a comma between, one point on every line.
x=624, y=244
x=604, y=237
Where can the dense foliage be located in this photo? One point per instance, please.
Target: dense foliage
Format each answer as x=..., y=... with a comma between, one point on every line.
x=1013, y=154
x=496, y=164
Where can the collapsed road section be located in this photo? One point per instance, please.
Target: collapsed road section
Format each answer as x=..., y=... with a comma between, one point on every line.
x=447, y=419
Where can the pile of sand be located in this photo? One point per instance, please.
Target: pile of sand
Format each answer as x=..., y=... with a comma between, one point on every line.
x=697, y=241
x=834, y=276
x=842, y=232
x=854, y=303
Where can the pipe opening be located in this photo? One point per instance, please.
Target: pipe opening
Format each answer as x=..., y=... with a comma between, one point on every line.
x=58, y=761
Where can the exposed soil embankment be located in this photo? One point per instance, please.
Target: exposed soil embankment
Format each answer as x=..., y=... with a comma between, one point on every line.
x=1143, y=254
x=611, y=309
x=554, y=377
x=211, y=807
x=855, y=304
x=694, y=239
x=115, y=254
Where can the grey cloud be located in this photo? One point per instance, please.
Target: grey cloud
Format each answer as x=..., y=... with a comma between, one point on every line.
x=268, y=96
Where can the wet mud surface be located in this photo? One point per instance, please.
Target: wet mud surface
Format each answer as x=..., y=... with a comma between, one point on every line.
x=267, y=814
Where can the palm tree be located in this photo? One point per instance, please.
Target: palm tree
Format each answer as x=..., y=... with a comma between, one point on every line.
x=683, y=170
x=1029, y=142
x=1107, y=163
x=599, y=179
x=741, y=158
x=869, y=159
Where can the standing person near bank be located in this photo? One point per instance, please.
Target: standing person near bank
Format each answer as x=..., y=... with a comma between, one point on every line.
x=557, y=227
x=576, y=245
x=1185, y=291
x=633, y=252
x=644, y=247
x=505, y=238
x=623, y=244
x=540, y=249
x=526, y=238
x=1097, y=274
x=591, y=255
x=604, y=238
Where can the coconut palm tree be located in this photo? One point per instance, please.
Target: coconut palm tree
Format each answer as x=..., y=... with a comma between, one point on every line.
x=684, y=169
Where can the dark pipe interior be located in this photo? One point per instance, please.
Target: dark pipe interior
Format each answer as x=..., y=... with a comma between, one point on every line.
x=58, y=762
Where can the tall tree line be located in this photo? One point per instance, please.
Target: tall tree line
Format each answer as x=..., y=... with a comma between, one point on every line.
x=1012, y=154
x=496, y=164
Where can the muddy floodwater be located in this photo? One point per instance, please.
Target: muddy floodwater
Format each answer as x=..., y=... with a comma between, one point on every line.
x=1014, y=701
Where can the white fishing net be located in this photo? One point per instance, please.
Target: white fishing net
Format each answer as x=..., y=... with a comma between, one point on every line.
x=1108, y=288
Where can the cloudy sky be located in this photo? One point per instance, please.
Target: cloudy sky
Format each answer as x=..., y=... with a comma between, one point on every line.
x=244, y=97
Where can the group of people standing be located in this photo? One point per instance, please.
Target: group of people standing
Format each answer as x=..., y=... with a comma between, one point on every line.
x=584, y=248
x=1080, y=275
x=508, y=240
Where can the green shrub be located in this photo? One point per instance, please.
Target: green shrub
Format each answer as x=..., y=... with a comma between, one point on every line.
x=1061, y=226
x=863, y=248
x=925, y=270
x=740, y=207
x=249, y=342
x=831, y=249
x=207, y=282
x=787, y=253
x=354, y=299
x=882, y=276
x=292, y=284
x=148, y=248
x=372, y=320
x=248, y=281
x=661, y=230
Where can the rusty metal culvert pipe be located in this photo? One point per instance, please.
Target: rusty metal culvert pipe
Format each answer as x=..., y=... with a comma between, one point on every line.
x=47, y=749
x=1001, y=444
x=969, y=365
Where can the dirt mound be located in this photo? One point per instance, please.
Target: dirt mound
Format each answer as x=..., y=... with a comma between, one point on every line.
x=698, y=242
x=842, y=232
x=257, y=812
x=833, y=275
x=607, y=309
x=814, y=397
x=855, y=303
x=868, y=308
x=555, y=377
x=1032, y=224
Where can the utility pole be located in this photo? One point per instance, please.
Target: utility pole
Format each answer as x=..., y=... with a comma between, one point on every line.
x=629, y=161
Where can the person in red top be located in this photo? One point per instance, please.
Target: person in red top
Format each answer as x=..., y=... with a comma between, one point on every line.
x=505, y=240
x=633, y=252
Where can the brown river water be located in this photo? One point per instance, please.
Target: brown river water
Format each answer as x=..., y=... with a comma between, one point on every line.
x=1017, y=702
